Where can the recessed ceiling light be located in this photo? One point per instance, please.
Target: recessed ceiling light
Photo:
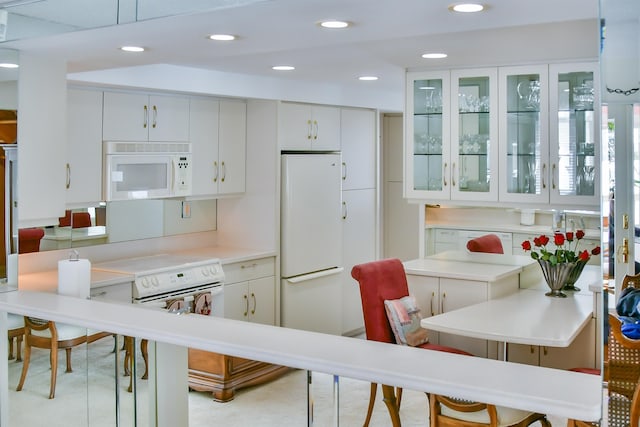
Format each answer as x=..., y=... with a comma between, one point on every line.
x=132, y=48
x=222, y=37
x=332, y=23
x=368, y=78
x=466, y=7
x=283, y=67
x=8, y=65
x=434, y=55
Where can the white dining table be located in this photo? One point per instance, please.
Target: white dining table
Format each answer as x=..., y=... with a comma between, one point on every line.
x=527, y=316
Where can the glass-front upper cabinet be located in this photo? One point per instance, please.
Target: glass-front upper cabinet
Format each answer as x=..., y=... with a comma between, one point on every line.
x=574, y=133
x=524, y=143
x=427, y=132
x=474, y=134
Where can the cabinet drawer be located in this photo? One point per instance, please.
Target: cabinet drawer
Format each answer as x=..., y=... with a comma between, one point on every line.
x=446, y=236
x=248, y=270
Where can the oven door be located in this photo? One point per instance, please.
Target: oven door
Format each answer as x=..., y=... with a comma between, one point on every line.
x=205, y=300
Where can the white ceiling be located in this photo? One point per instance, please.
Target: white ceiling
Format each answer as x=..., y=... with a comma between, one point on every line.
x=387, y=37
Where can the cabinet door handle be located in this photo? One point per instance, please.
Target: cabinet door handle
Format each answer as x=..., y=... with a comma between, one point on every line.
x=224, y=172
x=544, y=175
x=246, y=305
x=344, y=210
x=553, y=176
x=433, y=295
x=532, y=349
x=444, y=174
x=453, y=174
x=309, y=131
x=544, y=350
x=215, y=171
x=444, y=295
x=145, y=120
x=155, y=117
x=253, y=296
x=68, y=176
x=315, y=129
x=344, y=171
x=254, y=265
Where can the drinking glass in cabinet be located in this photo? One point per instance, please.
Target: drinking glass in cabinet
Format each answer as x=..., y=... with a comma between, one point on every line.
x=583, y=97
x=529, y=93
x=427, y=97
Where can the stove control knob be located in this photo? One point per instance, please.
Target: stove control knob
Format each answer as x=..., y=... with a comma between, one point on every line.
x=144, y=282
x=155, y=281
x=205, y=272
x=213, y=269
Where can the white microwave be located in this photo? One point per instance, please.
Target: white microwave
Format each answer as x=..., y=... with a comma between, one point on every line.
x=146, y=170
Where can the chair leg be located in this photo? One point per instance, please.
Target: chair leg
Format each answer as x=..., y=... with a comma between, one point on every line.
x=25, y=366
x=372, y=401
x=53, y=355
x=68, y=354
x=18, y=348
x=10, y=348
x=399, y=396
x=390, y=400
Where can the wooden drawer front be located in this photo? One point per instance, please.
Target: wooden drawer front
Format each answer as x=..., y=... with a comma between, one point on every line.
x=248, y=270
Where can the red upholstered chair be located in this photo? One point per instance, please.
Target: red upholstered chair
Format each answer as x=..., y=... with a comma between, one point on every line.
x=65, y=221
x=379, y=281
x=29, y=240
x=80, y=220
x=489, y=243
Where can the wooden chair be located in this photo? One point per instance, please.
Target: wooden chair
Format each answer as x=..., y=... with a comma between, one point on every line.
x=379, y=281
x=452, y=412
x=15, y=330
x=489, y=243
x=53, y=336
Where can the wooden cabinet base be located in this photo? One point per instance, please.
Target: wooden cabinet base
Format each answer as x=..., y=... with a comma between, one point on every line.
x=222, y=375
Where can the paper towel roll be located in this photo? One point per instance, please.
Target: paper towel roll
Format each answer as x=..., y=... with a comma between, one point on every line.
x=74, y=277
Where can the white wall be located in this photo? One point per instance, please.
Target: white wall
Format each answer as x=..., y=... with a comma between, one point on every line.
x=9, y=95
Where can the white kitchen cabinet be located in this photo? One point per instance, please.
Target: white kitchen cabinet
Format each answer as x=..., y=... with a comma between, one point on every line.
x=427, y=136
x=308, y=127
x=574, y=131
x=143, y=117
x=203, y=135
x=232, y=150
x=474, y=134
x=358, y=140
x=218, y=141
x=358, y=246
x=249, y=291
x=524, y=134
x=580, y=354
x=84, y=147
x=452, y=135
x=435, y=295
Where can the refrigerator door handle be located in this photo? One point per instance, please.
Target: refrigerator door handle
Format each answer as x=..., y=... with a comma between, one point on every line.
x=311, y=276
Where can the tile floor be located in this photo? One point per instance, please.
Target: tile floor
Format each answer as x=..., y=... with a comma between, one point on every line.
x=281, y=402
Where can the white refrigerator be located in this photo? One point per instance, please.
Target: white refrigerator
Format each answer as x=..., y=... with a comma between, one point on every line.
x=311, y=242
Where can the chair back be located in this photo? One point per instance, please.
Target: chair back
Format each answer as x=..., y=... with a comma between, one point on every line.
x=624, y=374
x=489, y=243
x=29, y=240
x=379, y=281
x=80, y=220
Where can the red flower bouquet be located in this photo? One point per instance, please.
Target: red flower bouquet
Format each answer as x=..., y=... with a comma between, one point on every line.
x=566, y=248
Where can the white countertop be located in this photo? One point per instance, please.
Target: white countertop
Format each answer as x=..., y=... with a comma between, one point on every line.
x=464, y=268
x=557, y=392
x=525, y=317
x=47, y=281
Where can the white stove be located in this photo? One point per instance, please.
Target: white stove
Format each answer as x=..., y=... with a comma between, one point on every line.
x=164, y=277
